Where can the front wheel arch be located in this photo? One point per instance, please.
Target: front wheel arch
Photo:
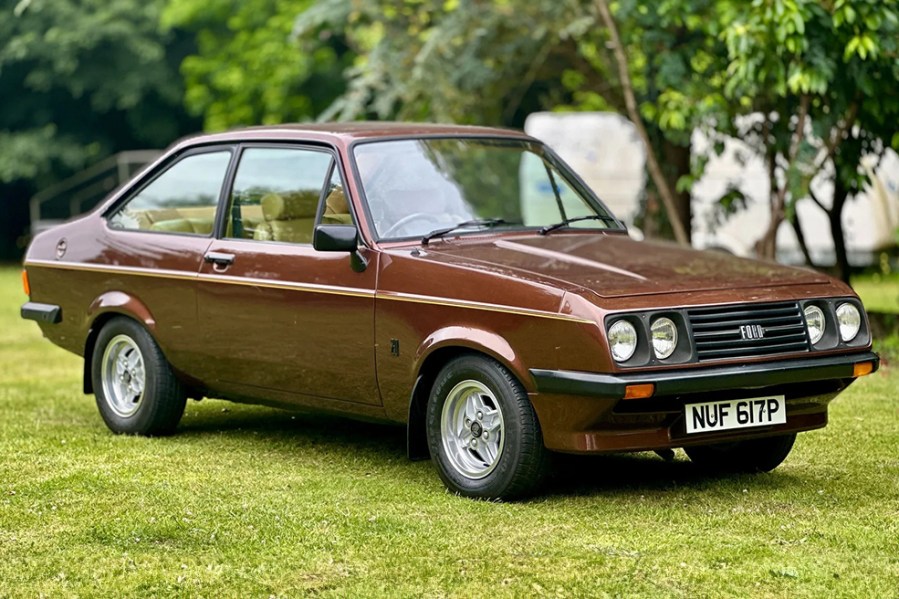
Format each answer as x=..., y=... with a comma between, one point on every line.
x=431, y=365
x=513, y=460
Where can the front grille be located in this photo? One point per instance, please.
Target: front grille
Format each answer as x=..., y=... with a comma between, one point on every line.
x=717, y=334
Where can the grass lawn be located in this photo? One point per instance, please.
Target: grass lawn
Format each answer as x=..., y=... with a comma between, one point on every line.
x=879, y=292
x=249, y=501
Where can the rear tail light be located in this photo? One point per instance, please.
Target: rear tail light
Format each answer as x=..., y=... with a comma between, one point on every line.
x=25, y=284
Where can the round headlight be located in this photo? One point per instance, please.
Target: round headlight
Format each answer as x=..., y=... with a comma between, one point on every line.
x=664, y=337
x=814, y=321
x=850, y=321
x=622, y=340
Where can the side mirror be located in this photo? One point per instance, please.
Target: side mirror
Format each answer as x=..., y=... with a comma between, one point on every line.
x=335, y=238
x=340, y=238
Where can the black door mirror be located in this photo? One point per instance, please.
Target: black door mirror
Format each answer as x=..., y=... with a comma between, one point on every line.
x=340, y=238
x=335, y=238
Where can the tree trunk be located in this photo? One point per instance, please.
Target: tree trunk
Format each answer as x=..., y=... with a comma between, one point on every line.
x=677, y=162
x=652, y=163
x=800, y=238
x=766, y=247
x=840, y=194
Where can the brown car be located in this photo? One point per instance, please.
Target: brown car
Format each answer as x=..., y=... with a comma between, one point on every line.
x=460, y=280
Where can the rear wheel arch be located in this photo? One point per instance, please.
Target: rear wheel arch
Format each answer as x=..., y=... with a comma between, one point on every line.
x=113, y=304
x=135, y=388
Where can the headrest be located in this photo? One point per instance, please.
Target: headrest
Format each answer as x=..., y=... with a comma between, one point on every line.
x=336, y=202
x=290, y=205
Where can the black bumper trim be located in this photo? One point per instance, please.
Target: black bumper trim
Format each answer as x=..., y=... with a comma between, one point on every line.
x=48, y=313
x=698, y=380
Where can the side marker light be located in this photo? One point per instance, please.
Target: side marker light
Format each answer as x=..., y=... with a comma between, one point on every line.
x=862, y=368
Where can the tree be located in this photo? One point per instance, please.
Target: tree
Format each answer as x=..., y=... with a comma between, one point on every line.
x=248, y=70
x=494, y=62
x=80, y=79
x=784, y=75
x=820, y=78
x=468, y=62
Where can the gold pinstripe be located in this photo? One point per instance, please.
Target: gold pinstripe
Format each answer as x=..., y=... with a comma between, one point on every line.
x=131, y=270
x=437, y=301
x=311, y=288
x=291, y=286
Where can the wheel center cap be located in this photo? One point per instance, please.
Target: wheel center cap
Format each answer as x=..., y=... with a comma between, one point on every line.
x=476, y=429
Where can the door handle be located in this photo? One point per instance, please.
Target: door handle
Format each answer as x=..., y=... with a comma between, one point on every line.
x=219, y=258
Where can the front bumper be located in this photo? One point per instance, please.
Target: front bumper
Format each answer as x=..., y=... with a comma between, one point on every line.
x=583, y=412
x=698, y=380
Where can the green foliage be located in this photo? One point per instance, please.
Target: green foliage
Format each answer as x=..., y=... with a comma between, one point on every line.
x=728, y=204
x=470, y=62
x=674, y=60
x=81, y=78
x=248, y=69
x=843, y=55
x=24, y=154
x=822, y=77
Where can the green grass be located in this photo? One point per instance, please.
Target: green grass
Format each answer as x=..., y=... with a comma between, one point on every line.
x=880, y=293
x=249, y=501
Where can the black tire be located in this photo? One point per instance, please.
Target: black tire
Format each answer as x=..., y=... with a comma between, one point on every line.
x=521, y=461
x=754, y=455
x=159, y=407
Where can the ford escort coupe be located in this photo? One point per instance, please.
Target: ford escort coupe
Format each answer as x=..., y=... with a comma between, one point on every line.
x=460, y=280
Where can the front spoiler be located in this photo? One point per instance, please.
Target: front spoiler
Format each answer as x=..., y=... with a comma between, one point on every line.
x=698, y=380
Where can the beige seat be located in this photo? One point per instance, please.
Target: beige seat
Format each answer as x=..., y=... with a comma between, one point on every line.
x=200, y=226
x=145, y=219
x=288, y=217
x=337, y=210
x=198, y=220
x=251, y=218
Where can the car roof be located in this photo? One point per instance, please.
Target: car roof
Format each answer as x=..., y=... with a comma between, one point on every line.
x=348, y=132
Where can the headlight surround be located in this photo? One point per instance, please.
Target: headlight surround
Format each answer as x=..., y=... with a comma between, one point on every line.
x=815, y=323
x=850, y=321
x=664, y=337
x=622, y=340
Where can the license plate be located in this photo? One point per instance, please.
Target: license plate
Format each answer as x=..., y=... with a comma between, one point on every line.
x=715, y=416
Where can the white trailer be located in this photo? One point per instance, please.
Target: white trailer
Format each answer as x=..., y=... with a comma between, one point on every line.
x=606, y=151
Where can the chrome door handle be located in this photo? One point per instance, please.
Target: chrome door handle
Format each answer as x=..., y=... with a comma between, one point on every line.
x=219, y=258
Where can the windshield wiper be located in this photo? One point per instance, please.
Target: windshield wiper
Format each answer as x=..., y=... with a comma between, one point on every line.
x=478, y=222
x=568, y=221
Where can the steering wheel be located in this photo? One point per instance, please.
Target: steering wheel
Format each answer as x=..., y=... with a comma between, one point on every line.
x=409, y=218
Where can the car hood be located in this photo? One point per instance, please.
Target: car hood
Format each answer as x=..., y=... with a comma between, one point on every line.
x=613, y=265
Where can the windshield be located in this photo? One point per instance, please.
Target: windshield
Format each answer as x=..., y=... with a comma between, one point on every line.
x=414, y=187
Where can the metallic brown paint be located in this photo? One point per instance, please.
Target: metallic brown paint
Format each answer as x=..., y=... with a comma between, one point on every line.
x=289, y=326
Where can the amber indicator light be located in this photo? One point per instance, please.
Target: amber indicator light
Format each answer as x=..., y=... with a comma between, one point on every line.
x=862, y=368
x=639, y=391
x=25, y=284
